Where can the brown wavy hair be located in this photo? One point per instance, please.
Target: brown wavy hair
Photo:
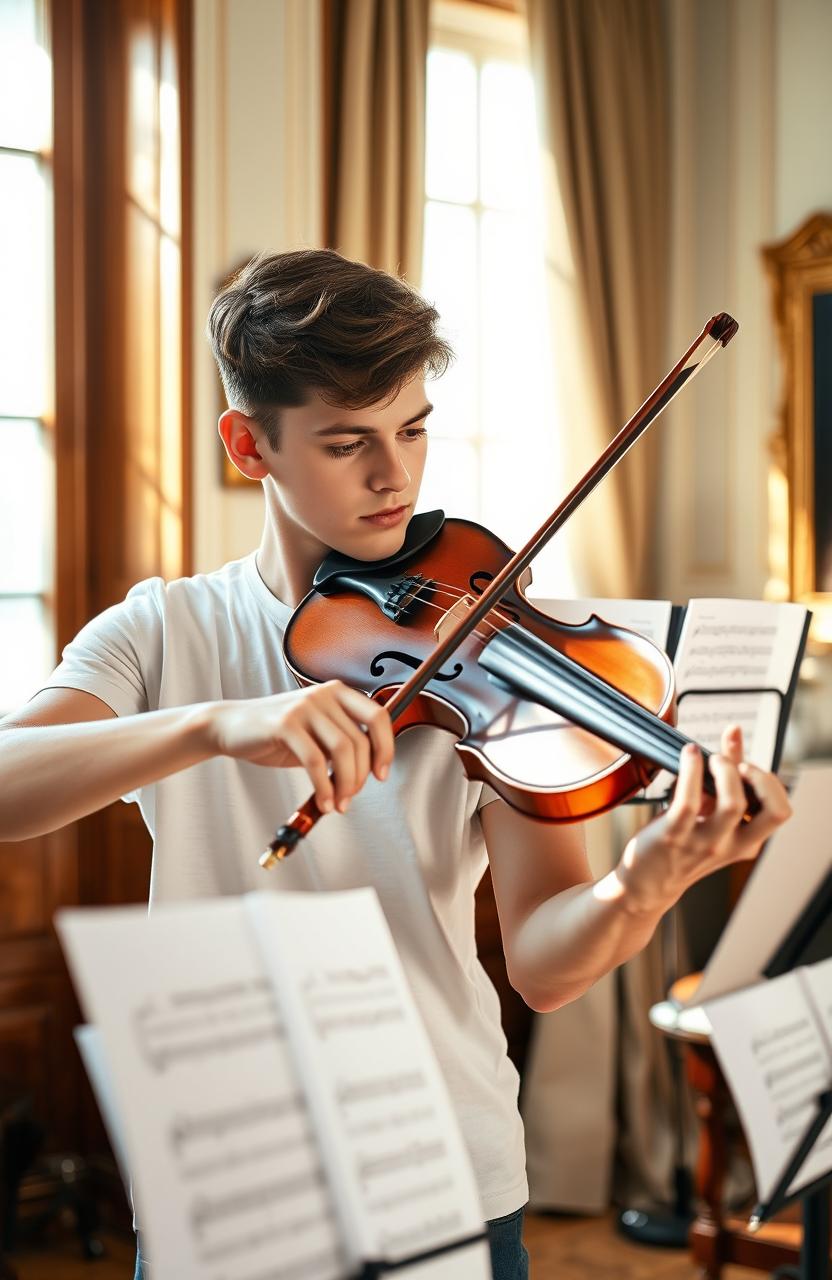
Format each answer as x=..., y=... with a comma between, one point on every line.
x=287, y=324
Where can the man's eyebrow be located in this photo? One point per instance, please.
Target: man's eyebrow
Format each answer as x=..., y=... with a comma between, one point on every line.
x=347, y=429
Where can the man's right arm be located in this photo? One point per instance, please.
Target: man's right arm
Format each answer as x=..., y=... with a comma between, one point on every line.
x=66, y=754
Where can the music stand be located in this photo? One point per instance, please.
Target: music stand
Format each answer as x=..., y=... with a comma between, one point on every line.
x=795, y=949
x=376, y=1269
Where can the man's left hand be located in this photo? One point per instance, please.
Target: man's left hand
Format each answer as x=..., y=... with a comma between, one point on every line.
x=698, y=834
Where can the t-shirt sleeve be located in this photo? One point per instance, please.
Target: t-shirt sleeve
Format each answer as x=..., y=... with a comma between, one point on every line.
x=487, y=795
x=118, y=655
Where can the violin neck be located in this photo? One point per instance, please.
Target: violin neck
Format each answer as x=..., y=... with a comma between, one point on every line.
x=518, y=659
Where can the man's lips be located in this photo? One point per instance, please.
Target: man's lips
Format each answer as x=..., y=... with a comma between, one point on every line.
x=386, y=513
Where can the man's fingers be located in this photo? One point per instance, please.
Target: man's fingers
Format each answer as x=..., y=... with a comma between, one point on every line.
x=340, y=750
x=731, y=745
x=730, y=797
x=380, y=729
x=684, y=807
x=775, y=806
x=360, y=743
x=307, y=753
x=379, y=726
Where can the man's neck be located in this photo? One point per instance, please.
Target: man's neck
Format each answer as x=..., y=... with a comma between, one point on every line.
x=287, y=557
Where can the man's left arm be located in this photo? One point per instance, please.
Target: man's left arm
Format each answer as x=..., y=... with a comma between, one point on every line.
x=561, y=930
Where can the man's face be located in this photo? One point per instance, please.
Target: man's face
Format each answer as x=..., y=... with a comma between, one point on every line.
x=350, y=478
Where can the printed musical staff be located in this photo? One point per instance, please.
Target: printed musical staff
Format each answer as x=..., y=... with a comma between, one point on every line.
x=773, y=1040
x=227, y=1172
x=219, y=1058
x=401, y=1174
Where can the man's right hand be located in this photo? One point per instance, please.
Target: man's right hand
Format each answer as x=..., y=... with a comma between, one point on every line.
x=320, y=728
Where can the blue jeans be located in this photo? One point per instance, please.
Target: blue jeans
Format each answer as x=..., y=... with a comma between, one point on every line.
x=509, y=1260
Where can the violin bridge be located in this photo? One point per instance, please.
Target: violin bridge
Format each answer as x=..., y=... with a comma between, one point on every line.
x=452, y=616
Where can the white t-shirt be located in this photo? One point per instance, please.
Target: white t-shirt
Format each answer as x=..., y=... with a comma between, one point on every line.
x=416, y=837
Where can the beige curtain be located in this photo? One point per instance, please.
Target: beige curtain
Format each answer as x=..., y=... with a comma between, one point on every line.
x=602, y=95
x=596, y=1096
x=376, y=52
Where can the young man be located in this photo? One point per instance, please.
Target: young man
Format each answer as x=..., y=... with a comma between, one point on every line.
x=179, y=698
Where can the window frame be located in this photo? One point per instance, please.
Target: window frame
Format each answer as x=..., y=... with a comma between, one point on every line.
x=43, y=158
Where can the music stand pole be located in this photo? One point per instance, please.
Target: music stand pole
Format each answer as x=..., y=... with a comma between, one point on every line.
x=792, y=951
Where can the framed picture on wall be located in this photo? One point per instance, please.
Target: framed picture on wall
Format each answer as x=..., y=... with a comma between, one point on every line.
x=800, y=268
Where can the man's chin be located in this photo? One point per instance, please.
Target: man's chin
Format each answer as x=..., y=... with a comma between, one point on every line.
x=372, y=544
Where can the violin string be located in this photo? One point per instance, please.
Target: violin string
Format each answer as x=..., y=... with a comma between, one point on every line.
x=667, y=734
x=442, y=609
x=479, y=635
x=456, y=593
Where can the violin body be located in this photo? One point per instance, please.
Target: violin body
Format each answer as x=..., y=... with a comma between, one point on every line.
x=370, y=625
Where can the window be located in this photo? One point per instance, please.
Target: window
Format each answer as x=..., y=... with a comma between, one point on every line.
x=494, y=453
x=26, y=353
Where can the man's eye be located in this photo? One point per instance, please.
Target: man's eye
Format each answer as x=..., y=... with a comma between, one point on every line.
x=343, y=450
x=411, y=434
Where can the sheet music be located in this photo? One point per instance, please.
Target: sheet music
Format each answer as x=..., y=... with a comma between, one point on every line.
x=229, y=1178
x=740, y=646
x=93, y=1055
x=403, y=1180
x=773, y=1043
x=650, y=618
x=702, y=717
x=785, y=877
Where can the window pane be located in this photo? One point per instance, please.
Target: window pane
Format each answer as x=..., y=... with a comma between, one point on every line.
x=451, y=133
x=170, y=212
x=451, y=479
x=26, y=651
x=516, y=352
x=170, y=382
x=519, y=490
x=142, y=113
x=26, y=272
x=25, y=78
x=508, y=136
x=26, y=504
x=449, y=280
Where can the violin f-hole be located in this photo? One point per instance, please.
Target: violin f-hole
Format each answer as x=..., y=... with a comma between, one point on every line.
x=376, y=668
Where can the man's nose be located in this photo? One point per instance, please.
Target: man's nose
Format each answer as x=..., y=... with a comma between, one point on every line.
x=389, y=471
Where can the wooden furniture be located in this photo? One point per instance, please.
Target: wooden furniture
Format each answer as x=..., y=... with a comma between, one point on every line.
x=8, y=1107
x=121, y=432
x=717, y=1239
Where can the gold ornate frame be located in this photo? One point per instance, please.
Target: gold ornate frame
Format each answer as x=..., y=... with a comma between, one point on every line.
x=799, y=268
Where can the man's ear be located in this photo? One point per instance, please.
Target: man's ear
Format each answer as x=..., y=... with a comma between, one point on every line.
x=236, y=432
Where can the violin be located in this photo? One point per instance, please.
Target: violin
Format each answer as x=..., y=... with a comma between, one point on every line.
x=563, y=721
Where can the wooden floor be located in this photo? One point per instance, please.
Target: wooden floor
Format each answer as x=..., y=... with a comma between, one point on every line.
x=560, y=1248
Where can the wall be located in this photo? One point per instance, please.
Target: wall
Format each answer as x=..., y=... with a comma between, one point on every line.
x=803, y=111
x=256, y=186
x=752, y=97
